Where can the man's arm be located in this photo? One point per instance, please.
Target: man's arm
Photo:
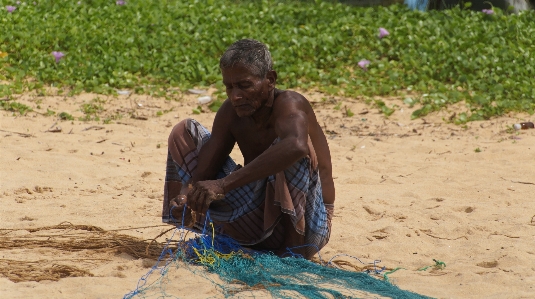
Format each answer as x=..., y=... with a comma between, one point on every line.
x=324, y=159
x=216, y=150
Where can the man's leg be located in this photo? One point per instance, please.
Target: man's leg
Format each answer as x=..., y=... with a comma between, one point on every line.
x=294, y=206
x=184, y=143
x=175, y=205
x=305, y=216
x=292, y=239
x=172, y=190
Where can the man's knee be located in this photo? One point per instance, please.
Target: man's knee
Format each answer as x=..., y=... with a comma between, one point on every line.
x=178, y=130
x=178, y=137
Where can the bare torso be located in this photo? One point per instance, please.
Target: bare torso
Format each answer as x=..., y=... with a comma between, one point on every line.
x=254, y=139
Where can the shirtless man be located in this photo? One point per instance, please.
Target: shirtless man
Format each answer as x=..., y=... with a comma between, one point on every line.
x=283, y=196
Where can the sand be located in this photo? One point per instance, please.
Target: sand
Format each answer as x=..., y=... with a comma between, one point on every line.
x=408, y=192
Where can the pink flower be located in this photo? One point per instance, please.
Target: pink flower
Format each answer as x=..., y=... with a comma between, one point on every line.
x=120, y=2
x=383, y=32
x=364, y=64
x=57, y=55
x=488, y=11
x=10, y=8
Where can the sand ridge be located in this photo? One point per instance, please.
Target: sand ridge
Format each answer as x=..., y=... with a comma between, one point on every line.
x=408, y=191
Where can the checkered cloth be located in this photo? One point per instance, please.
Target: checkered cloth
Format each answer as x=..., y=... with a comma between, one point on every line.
x=251, y=213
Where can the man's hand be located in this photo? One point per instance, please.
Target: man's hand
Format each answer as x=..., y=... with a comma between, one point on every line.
x=177, y=206
x=203, y=193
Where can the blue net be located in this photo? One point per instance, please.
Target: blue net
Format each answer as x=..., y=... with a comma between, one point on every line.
x=240, y=272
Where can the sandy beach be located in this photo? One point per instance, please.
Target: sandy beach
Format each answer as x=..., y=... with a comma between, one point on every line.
x=408, y=192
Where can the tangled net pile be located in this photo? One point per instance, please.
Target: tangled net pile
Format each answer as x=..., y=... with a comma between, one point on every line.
x=242, y=272
x=235, y=271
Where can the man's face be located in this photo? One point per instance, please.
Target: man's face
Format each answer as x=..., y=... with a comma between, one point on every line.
x=247, y=92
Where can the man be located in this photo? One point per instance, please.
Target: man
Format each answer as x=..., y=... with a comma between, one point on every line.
x=283, y=196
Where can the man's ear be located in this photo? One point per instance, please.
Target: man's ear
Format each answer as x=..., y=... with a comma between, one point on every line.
x=271, y=76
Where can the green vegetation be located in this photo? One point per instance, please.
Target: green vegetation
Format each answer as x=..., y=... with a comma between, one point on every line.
x=385, y=109
x=91, y=110
x=349, y=113
x=65, y=116
x=50, y=112
x=432, y=59
x=15, y=107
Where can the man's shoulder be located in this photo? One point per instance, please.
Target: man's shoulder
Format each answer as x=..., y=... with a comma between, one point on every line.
x=289, y=94
x=285, y=98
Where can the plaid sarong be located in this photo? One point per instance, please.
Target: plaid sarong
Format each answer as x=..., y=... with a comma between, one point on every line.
x=251, y=214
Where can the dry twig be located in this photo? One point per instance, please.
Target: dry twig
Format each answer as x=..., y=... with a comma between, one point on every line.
x=20, y=134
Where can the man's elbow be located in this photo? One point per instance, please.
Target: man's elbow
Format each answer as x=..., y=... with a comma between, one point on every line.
x=299, y=148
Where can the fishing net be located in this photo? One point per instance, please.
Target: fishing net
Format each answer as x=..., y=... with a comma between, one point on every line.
x=214, y=259
x=240, y=272
x=66, y=237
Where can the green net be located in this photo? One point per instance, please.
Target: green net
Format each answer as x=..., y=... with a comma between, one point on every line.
x=239, y=272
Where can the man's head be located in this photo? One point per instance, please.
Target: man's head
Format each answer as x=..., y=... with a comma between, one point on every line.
x=249, y=53
x=247, y=73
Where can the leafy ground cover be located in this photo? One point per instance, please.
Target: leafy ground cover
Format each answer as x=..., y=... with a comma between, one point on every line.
x=432, y=59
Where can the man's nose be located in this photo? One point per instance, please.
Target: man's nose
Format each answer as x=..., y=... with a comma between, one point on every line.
x=235, y=94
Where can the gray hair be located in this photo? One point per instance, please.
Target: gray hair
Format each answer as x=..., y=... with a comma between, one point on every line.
x=250, y=53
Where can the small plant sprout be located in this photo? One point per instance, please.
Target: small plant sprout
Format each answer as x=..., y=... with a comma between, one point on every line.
x=197, y=110
x=385, y=109
x=364, y=64
x=383, y=32
x=57, y=56
x=477, y=150
x=65, y=116
x=348, y=112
